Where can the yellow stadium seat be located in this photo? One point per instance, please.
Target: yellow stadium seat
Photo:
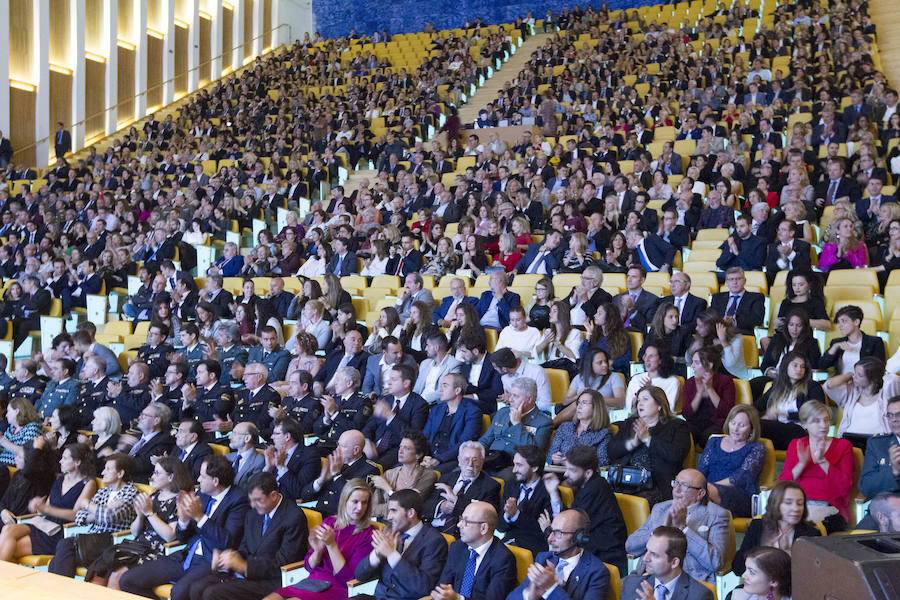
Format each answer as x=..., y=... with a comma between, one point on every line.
x=615, y=582
x=122, y=328
x=713, y=234
x=871, y=310
x=559, y=383
x=751, y=352
x=491, y=335
x=219, y=449
x=524, y=559
x=635, y=511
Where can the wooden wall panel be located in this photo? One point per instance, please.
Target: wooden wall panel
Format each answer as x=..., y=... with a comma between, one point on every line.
x=205, y=54
x=154, y=71
x=60, y=102
x=126, y=20
x=21, y=125
x=59, y=33
x=21, y=41
x=93, y=27
x=267, y=24
x=125, y=78
x=248, y=28
x=227, y=39
x=95, y=92
x=181, y=59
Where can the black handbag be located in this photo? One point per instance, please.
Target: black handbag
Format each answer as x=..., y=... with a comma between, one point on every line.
x=629, y=480
x=89, y=546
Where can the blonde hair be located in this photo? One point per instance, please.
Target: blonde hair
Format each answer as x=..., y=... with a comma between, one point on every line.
x=752, y=416
x=365, y=521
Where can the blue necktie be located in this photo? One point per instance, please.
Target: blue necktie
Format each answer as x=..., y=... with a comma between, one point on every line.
x=193, y=550
x=182, y=455
x=469, y=575
x=266, y=523
x=661, y=592
x=402, y=544
x=337, y=268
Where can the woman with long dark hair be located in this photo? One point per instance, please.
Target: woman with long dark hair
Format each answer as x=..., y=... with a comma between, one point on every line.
x=713, y=332
x=779, y=406
x=794, y=334
x=804, y=290
x=597, y=375
x=666, y=332
x=707, y=397
x=606, y=332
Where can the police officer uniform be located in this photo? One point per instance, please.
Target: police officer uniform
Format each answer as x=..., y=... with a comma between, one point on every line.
x=227, y=358
x=217, y=401
x=31, y=390
x=330, y=493
x=156, y=358
x=130, y=403
x=193, y=356
x=255, y=408
x=56, y=394
x=90, y=398
x=305, y=410
x=353, y=412
x=276, y=362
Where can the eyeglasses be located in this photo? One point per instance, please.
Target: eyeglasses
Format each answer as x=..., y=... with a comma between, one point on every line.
x=252, y=373
x=559, y=532
x=683, y=485
x=892, y=415
x=465, y=521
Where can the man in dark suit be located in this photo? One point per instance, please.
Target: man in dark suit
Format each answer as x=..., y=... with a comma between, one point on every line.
x=345, y=463
x=451, y=422
x=867, y=208
x=652, y=253
x=34, y=303
x=858, y=107
x=881, y=467
x=6, y=151
x=664, y=562
x=215, y=295
x=294, y=464
x=190, y=447
x=479, y=567
x=494, y=304
x=595, y=497
x=836, y=186
x=351, y=355
x=378, y=366
x=456, y=489
x=208, y=523
x=740, y=308
x=406, y=259
x=587, y=295
x=446, y=312
x=343, y=262
x=689, y=306
x=408, y=558
x=645, y=302
x=566, y=572
x=153, y=423
x=62, y=142
x=525, y=499
x=484, y=382
x=788, y=253
x=542, y=257
x=275, y=534
x=400, y=409
x=245, y=460
x=742, y=248
x=672, y=233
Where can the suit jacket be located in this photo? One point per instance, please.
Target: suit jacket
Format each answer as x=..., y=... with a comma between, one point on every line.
x=587, y=581
x=417, y=572
x=284, y=541
x=35, y=305
x=550, y=260
x=223, y=529
x=525, y=531
x=62, y=142
x=411, y=263
x=749, y=312
x=448, y=365
x=877, y=474
x=159, y=444
x=496, y=575
x=372, y=377
x=692, y=308
x=685, y=589
x=608, y=532
x=751, y=254
x=846, y=187
x=465, y=426
x=330, y=366
x=658, y=251
x=707, y=538
x=508, y=300
x=801, y=261
x=871, y=346
x=446, y=303
x=483, y=488
x=327, y=497
x=302, y=468
x=348, y=266
x=490, y=385
x=589, y=308
x=422, y=295
x=194, y=458
x=250, y=466
x=646, y=304
x=221, y=303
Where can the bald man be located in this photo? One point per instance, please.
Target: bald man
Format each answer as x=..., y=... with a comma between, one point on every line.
x=705, y=525
x=345, y=463
x=479, y=566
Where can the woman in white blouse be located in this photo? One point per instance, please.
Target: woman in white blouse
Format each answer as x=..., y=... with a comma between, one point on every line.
x=713, y=331
x=560, y=340
x=376, y=263
x=312, y=322
x=659, y=369
x=518, y=336
x=863, y=394
x=315, y=266
x=387, y=324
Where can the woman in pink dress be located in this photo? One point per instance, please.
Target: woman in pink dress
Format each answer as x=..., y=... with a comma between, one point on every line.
x=336, y=547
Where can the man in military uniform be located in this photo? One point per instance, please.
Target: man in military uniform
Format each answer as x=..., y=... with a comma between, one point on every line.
x=130, y=400
x=251, y=404
x=229, y=350
x=345, y=410
x=92, y=390
x=271, y=354
x=27, y=384
x=194, y=350
x=155, y=353
x=63, y=389
x=301, y=405
x=207, y=400
x=345, y=463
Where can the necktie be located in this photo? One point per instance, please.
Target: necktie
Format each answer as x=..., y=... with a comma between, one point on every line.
x=460, y=487
x=832, y=189
x=399, y=268
x=266, y=523
x=562, y=564
x=337, y=268
x=732, y=307
x=196, y=545
x=265, y=355
x=527, y=493
x=136, y=448
x=533, y=267
x=678, y=302
x=661, y=592
x=237, y=464
x=396, y=408
x=465, y=589
x=182, y=455
x=402, y=545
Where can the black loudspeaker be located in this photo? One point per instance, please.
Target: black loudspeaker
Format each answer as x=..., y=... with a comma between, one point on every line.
x=846, y=567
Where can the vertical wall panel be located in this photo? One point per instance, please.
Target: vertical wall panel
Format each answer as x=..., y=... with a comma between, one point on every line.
x=125, y=89
x=181, y=59
x=205, y=54
x=267, y=24
x=126, y=19
x=21, y=125
x=60, y=34
x=227, y=38
x=156, y=15
x=95, y=92
x=248, y=29
x=93, y=27
x=154, y=71
x=21, y=41
x=60, y=102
